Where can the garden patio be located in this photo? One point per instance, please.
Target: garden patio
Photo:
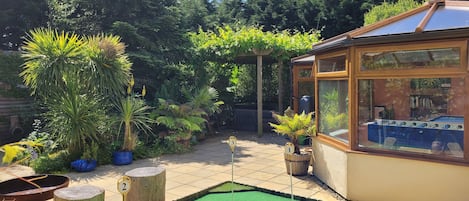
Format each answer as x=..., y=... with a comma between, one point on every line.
x=258, y=161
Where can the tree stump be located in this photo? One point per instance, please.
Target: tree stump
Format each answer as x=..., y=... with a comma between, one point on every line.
x=79, y=193
x=147, y=184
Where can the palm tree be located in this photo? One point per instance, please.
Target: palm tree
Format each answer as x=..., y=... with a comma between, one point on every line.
x=75, y=117
x=133, y=115
x=52, y=57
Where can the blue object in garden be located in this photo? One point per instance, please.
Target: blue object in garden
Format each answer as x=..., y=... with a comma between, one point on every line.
x=306, y=104
x=82, y=165
x=122, y=157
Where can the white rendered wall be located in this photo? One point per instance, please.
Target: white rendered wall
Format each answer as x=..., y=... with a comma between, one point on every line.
x=372, y=178
x=330, y=166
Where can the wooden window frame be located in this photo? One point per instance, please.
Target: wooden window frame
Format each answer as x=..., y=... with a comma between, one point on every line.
x=455, y=72
x=296, y=79
x=335, y=73
x=461, y=44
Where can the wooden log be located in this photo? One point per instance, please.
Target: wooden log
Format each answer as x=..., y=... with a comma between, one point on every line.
x=147, y=184
x=79, y=193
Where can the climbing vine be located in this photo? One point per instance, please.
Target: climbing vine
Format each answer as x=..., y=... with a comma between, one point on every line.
x=226, y=43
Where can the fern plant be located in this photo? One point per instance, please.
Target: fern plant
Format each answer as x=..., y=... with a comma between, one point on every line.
x=294, y=125
x=180, y=119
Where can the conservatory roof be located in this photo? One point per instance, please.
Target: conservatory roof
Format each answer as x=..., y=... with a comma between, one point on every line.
x=304, y=59
x=437, y=19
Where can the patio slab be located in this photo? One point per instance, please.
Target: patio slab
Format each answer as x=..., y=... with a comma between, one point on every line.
x=258, y=161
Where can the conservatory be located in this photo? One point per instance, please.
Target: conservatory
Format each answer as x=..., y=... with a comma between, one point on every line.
x=391, y=106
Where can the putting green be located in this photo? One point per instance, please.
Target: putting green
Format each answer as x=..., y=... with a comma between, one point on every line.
x=242, y=192
x=243, y=196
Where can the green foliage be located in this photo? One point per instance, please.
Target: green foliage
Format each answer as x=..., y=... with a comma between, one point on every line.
x=226, y=42
x=181, y=119
x=387, y=10
x=294, y=125
x=52, y=163
x=75, y=118
x=206, y=99
x=52, y=58
x=133, y=116
x=10, y=67
x=331, y=119
x=148, y=151
x=90, y=151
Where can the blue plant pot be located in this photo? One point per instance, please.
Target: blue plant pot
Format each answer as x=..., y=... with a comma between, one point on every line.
x=122, y=157
x=82, y=165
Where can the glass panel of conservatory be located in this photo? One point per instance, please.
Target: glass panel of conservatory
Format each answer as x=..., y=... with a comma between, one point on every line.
x=305, y=73
x=421, y=115
x=332, y=64
x=333, y=108
x=410, y=59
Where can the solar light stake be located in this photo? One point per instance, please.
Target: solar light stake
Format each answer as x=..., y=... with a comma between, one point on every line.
x=289, y=149
x=232, y=142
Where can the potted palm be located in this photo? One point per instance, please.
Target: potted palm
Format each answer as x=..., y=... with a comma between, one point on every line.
x=294, y=125
x=134, y=118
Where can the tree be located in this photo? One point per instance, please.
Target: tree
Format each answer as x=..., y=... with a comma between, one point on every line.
x=76, y=78
x=52, y=58
x=387, y=10
x=16, y=18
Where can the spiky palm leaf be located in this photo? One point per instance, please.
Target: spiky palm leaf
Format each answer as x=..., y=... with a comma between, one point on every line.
x=293, y=125
x=109, y=66
x=133, y=114
x=50, y=56
x=75, y=117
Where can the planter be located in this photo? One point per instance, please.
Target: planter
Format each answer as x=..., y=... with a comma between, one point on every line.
x=122, y=157
x=83, y=165
x=299, y=163
x=186, y=143
x=20, y=190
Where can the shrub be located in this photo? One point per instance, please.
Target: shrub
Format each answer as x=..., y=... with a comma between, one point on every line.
x=52, y=163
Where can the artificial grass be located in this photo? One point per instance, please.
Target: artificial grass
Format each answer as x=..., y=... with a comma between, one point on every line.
x=243, y=196
x=226, y=187
x=242, y=192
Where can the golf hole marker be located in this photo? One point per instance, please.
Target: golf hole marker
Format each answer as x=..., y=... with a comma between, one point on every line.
x=232, y=143
x=289, y=149
x=123, y=186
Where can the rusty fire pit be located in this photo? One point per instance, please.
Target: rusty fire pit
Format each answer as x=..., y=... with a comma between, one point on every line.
x=19, y=190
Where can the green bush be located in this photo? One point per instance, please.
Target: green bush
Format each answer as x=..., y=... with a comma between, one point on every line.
x=52, y=163
x=147, y=151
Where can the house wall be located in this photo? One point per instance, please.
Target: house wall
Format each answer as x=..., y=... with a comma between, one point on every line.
x=382, y=178
x=367, y=177
x=330, y=166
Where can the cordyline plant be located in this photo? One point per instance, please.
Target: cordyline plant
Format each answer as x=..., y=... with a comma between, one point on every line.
x=294, y=125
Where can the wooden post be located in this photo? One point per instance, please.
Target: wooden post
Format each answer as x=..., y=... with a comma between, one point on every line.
x=148, y=184
x=79, y=193
x=259, y=96
x=280, y=86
